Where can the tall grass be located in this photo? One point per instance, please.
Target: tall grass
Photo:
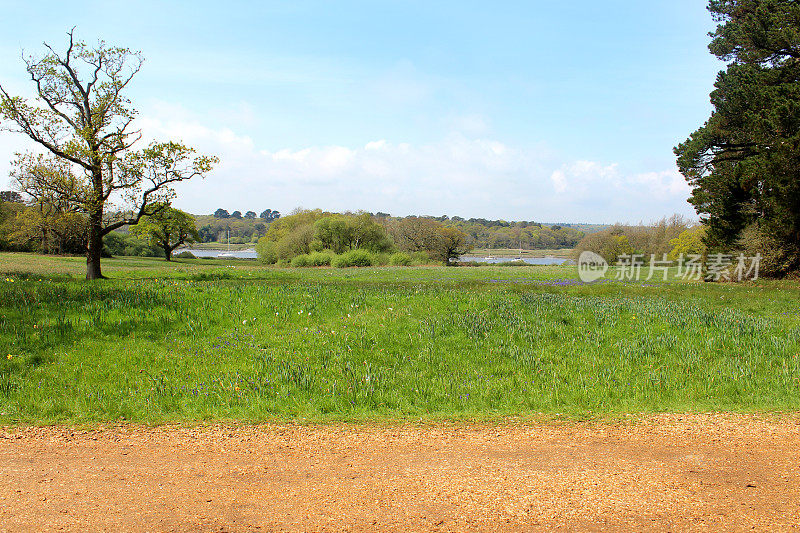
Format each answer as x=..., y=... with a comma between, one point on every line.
x=388, y=343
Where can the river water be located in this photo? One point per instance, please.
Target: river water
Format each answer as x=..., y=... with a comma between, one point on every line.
x=237, y=254
x=251, y=254
x=530, y=260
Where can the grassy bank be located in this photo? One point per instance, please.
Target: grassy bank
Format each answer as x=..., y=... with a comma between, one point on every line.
x=208, y=340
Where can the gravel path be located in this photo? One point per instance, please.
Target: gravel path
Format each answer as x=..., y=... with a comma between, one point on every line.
x=670, y=472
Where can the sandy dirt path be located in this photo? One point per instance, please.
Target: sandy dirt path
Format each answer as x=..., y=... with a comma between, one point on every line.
x=678, y=473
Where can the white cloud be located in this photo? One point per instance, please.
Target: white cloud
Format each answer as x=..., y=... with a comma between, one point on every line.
x=582, y=177
x=604, y=189
x=458, y=175
x=10, y=144
x=471, y=177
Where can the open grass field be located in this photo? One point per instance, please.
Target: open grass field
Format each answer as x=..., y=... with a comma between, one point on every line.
x=200, y=340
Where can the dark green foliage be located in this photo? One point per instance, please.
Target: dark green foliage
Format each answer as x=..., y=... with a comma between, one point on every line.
x=167, y=228
x=117, y=243
x=269, y=215
x=11, y=196
x=744, y=163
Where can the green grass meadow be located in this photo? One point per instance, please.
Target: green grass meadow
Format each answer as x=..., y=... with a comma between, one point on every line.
x=203, y=340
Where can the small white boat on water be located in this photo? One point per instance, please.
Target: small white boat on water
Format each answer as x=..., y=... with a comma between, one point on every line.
x=227, y=254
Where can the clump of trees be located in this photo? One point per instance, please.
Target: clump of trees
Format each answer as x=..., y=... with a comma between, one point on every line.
x=342, y=233
x=306, y=231
x=83, y=120
x=668, y=237
x=268, y=215
x=484, y=233
x=744, y=163
x=46, y=224
x=430, y=236
x=314, y=237
x=167, y=228
x=128, y=244
x=32, y=227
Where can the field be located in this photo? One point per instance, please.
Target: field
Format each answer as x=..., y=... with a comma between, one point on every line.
x=217, y=340
x=424, y=398
x=231, y=340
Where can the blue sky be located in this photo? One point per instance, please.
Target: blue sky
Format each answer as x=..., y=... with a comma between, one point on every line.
x=531, y=110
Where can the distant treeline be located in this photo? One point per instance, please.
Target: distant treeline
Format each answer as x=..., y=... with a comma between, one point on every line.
x=240, y=228
x=481, y=232
x=26, y=226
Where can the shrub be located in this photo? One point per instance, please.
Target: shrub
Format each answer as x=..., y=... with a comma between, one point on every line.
x=300, y=261
x=420, y=258
x=322, y=258
x=353, y=258
x=267, y=251
x=775, y=261
x=186, y=254
x=380, y=259
x=400, y=259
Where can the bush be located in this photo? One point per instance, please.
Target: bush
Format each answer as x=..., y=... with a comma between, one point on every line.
x=353, y=258
x=380, y=259
x=514, y=263
x=420, y=258
x=776, y=261
x=400, y=259
x=267, y=251
x=186, y=254
x=300, y=261
x=322, y=258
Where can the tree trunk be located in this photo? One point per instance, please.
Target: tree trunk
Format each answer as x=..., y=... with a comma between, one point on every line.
x=168, y=253
x=94, y=246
